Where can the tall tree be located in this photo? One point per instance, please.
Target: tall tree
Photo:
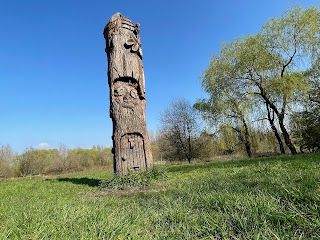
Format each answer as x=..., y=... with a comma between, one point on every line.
x=313, y=76
x=305, y=124
x=269, y=66
x=228, y=104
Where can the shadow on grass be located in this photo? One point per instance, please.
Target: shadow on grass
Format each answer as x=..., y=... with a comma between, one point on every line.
x=82, y=181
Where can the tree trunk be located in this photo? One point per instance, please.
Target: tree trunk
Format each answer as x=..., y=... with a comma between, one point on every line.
x=244, y=135
x=131, y=145
x=190, y=147
x=275, y=130
x=276, y=134
x=280, y=116
x=286, y=135
x=247, y=143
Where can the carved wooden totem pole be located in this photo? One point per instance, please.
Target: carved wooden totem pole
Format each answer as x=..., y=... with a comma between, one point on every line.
x=131, y=146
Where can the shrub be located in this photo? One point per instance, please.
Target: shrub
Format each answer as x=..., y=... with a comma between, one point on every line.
x=133, y=179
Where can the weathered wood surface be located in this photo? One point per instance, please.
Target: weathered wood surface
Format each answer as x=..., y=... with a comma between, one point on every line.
x=131, y=145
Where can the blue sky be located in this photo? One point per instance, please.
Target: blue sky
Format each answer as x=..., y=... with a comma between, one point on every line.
x=53, y=68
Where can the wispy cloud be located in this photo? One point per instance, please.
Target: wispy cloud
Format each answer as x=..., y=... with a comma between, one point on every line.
x=42, y=145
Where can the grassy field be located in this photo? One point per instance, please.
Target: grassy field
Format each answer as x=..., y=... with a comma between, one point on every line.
x=266, y=198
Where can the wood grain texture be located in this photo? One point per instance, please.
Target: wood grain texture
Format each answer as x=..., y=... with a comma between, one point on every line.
x=131, y=145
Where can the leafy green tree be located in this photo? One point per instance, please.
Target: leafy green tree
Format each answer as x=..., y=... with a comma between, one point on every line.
x=227, y=139
x=228, y=104
x=313, y=99
x=34, y=162
x=268, y=67
x=26, y=163
x=306, y=129
x=103, y=156
x=81, y=158
x=306, y=123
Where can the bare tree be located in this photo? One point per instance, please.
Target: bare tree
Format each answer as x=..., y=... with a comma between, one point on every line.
x=180, y=131
x=6, y=160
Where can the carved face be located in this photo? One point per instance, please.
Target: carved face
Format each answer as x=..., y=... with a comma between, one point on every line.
x=125, y=94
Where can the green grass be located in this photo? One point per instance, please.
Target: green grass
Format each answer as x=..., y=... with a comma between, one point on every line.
x=266, y=198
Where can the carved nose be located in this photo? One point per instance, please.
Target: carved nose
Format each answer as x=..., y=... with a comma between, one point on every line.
x=126, y=97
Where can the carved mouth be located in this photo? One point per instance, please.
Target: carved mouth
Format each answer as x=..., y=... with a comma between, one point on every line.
x=127, y=105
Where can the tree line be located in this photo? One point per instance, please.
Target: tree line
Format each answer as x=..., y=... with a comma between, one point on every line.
x=263, y=90
x=52, y=161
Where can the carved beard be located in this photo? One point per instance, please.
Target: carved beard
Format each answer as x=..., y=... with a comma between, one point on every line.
x=126, y=94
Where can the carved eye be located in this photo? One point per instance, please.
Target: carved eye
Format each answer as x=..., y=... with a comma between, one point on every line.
x=135, y=47
x=130, y=42
x=134, y=93
x=119, y=91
